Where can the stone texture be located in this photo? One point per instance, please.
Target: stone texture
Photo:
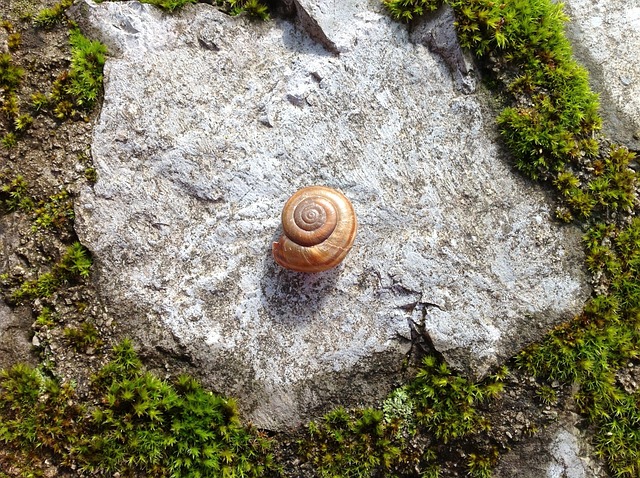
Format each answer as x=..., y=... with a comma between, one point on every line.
x=209, y=123
x=15, y=341
x=437, y=32
x=606, y=40
x=561, y=451
x=15, y=325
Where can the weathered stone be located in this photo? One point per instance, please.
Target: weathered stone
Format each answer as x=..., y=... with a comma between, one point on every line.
x=437, y=32
x=331, y=22
x=15, y=325
x=561, y=451
x=606, y=40
x=15, y=340
x=209, y=123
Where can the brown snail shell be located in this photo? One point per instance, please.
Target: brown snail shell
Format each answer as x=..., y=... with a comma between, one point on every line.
x=319, y=226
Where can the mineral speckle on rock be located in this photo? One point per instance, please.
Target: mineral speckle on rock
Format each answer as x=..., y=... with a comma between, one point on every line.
x=198, y=147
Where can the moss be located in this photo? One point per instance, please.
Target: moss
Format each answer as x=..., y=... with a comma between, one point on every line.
x=10, y=74
x=83, y=337
x=138, y=424
x=253, y=8
x=437, y=403
x=73, y=267
x=76, y=91
x=48, y=17
x=56, y=212
x=14, y=196
x=85, y=75
x=14, y=40
x=37, y=413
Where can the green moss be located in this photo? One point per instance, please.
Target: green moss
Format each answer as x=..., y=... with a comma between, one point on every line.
x=406, y=10
x=480, y=465
x=352, y=444
x=76, y=262
x=85, y=75
x=9, y=140
x=137, y=425
x=91, y=175
x=56, y=212
x=37, y=413
x=253, y=8
x=75, y=91
x=14, y=196
x=72, y=267
x=14, y=40
x=49, y=17
x=46, y=317
x=437, y=403
x=83, y=337
x=10, y=74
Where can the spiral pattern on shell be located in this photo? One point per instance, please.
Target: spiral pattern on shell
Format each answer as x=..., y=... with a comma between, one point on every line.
x=319, y=225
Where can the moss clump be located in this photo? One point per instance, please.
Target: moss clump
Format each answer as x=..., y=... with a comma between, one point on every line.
x=253, y=8
x=49, y=17
x=10, y=74
x=138, y=424
x=37, y=414
x=74, y=266
x=76, y=91
x=54, y=213
x=437, y=403
x=85, y=75
x=14, y=196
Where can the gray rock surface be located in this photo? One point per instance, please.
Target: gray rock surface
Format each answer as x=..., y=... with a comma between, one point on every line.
x=209, y=123
x=606, y=40
x=15, y=341
x=437, y=32
x=15, y=324
x=560, y=451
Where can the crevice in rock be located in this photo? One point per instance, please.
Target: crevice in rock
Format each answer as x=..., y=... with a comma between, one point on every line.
x=308, y=24
x=437, y=32
x=421, y=342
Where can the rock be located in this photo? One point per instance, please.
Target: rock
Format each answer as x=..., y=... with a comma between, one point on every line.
x=560, y=451
x=15, y=324
x=437, y=32
x=629, y=378
x=606, y=39
x=330, y=23
x=210, y=123
x=15, y=340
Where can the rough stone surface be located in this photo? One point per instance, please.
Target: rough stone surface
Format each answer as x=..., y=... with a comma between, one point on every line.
x=437, y=32
x=561, y=451
x=15, y=343
x=606, y=40
x=209, y=123
x=15, y=325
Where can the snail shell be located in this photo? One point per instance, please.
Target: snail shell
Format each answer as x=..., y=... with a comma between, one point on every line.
x=319, y=226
